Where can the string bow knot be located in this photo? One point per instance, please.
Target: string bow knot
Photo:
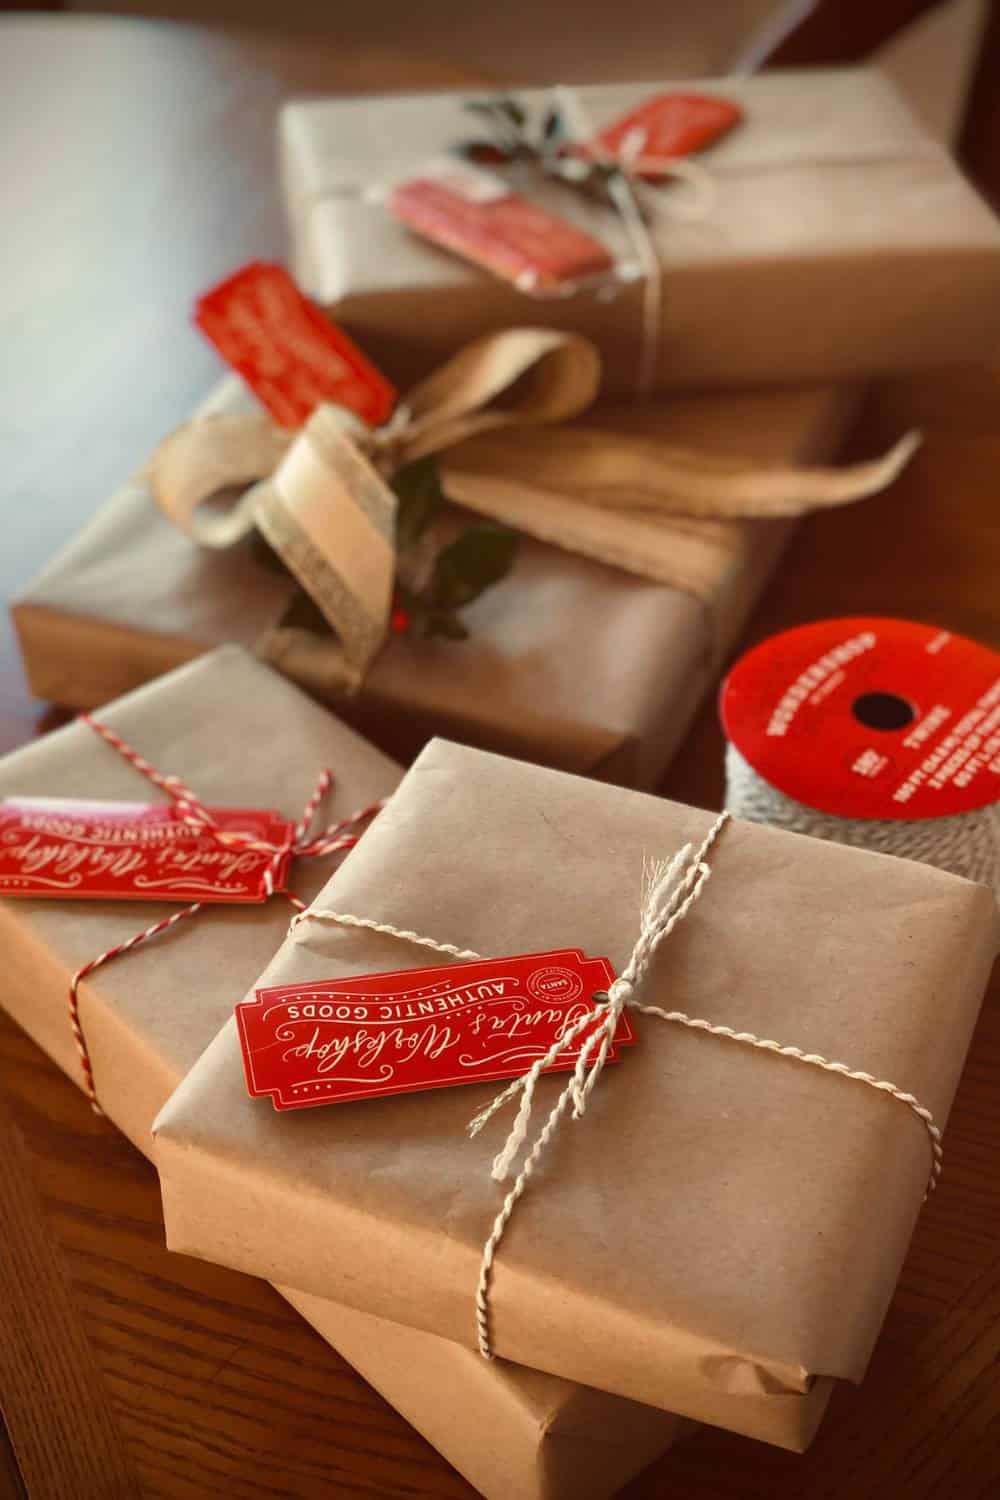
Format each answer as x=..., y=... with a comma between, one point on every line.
x=300, y=843
x=386, y=447
x=672, y=888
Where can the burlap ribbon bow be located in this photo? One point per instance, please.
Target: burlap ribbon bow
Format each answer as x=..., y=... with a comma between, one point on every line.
x=320, y=496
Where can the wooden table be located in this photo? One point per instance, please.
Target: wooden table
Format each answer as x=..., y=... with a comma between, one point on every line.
x=141, y=158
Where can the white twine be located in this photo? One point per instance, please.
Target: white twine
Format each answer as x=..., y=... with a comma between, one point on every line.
x=671, y=889
x=345, y=919
x=965, y=843
x=623, y=188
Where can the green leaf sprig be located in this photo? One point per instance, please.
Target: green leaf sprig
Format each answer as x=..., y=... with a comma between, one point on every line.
x=548, y=148
x=432, y=589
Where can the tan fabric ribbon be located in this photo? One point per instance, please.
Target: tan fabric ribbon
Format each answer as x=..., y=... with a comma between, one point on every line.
x=321, y=499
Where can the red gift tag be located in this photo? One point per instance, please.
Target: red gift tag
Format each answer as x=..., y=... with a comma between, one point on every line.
x=870, y=718
x=133, y=851
x=323, y=1043
x=290, y=355
x=670, y=125
x=474, y=214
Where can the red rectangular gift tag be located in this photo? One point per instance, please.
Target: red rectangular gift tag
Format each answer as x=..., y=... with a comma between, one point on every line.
x=132, y=851
x=289, y=354
x=474, y=214
x=414, y=1029
x=670, y=125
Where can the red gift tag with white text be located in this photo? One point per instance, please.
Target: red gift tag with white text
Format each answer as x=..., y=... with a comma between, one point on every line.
x=868, y=717
x=669, y=125
x=475, y=215
x=290, y=355
x=134, y=851
x=415, y=1029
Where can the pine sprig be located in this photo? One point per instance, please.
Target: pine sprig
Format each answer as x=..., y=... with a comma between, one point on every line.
x=510, y=140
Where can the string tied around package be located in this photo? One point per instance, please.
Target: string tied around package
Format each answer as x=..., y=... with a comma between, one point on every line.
x=301, y=843
x=672, y=888
x=631, y=162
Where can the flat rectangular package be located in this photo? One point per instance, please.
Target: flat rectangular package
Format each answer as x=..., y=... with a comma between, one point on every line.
x=721, y=1233
x=841, y=242
x=568, y=662
x=515, y=1434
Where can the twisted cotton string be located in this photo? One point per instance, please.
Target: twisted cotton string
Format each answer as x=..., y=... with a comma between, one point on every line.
x=185, y=800
x=966, y=843
x=346, y=919
x=82, y=1050
x=623, y=187
x=671, y=891
x=298, y=845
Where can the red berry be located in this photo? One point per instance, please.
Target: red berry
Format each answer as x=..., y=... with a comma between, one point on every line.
x=399, y=620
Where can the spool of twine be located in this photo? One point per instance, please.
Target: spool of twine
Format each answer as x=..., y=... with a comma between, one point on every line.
x=966, y=844
x=882, y=734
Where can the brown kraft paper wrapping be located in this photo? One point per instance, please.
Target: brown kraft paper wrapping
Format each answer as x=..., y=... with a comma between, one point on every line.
x=723, y=1226
x=843, y=241
x=515, y=1434
x=131, y=596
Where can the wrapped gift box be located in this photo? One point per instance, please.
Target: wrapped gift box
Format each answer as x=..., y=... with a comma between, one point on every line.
x=516, y=1434
x=842, y=240
x=722, y=1231
x=568, y=661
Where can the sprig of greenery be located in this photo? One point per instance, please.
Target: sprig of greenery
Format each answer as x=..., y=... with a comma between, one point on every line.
x=548, y=148
x=462, y=570
x=431, y=588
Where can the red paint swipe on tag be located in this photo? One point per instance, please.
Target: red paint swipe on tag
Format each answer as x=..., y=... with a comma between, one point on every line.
x=132, y=851
x=414, y=1029
x=473, y=214
x=670, y=125
x=290, y=355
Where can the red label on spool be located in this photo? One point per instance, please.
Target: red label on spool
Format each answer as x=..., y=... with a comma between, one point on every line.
x=870, y=718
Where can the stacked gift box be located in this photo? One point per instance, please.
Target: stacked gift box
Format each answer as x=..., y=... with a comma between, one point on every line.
x=676, y=1253
x=680, y=1247
x=131, y=596
x=147, y=1017
x=841, y=241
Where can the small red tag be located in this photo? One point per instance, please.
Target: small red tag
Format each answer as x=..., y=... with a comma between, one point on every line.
x=670, y=125
x=309, y=1044
x=132, y=851
x=290, y=355
x=474, y=214
x=870, y=718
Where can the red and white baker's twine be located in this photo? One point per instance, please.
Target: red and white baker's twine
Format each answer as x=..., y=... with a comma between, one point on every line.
x=338, y=836
x=672, y=890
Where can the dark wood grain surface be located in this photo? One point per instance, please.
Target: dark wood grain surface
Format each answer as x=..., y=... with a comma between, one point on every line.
x=64, y=1432
x=138, y=159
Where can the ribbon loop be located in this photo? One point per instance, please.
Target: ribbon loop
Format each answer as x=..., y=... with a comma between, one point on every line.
x=321, y=496
x=331, y=518
x=208, y=456
x=534, y=375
